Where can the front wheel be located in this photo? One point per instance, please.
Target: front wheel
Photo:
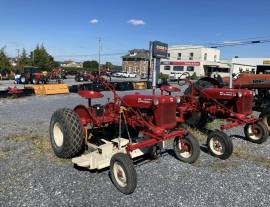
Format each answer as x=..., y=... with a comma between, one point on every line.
x=219, y=144
x=186, y=149
x=123, y=173
x=256, y=133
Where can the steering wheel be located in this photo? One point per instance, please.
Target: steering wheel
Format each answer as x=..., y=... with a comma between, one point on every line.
x=185, y=80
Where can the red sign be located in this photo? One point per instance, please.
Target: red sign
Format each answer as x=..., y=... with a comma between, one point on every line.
x=185, y=63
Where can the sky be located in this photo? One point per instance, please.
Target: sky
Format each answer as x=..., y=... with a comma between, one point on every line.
x=70, y=29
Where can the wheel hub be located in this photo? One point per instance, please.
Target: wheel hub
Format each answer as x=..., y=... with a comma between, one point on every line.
x=185, y=149
x=216, y=146
x=120, y=175
x=254, y=132
x=58, y=135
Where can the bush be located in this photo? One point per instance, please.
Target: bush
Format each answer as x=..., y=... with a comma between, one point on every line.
x=194, y=76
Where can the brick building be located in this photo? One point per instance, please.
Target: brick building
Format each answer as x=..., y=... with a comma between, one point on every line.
x=136, y=61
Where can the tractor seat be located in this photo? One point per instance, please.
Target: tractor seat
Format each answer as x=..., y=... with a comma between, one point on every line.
x=90, y=94
x=169, y=88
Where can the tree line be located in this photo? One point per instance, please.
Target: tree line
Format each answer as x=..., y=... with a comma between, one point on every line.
x=39, y=57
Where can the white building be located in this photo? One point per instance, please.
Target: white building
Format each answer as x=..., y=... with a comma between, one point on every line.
x=71, y=64
x=190, y=58
x=258, y=65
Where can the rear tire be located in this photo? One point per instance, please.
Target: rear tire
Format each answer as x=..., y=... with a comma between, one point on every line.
x=256, y=133
x=123, y=173
x=219, y=144
x=186, y=149
x=265, y=116
x=66, y=134
x=197, y=119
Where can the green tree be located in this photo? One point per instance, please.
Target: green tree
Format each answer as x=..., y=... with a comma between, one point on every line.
x=42, y=59
x=23, y=60
x=90, y=65
x=109, y=65
x=5, y=65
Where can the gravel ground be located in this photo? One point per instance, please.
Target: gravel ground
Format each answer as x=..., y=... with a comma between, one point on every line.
x=32, y=176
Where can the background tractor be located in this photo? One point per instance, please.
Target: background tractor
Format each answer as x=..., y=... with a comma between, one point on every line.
x=260, y=84
x=33, y=75
x=111, y=135
x=203, y=103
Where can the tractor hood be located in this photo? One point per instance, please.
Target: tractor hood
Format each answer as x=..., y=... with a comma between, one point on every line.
x=146, y=101
x=225, y=93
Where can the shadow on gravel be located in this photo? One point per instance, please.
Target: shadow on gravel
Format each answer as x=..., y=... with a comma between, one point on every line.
x=237, y=136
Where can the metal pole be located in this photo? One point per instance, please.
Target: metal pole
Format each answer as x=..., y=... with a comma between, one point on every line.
x=150, y=61
x=99, y=48
x=231, y=72
x=154, y=78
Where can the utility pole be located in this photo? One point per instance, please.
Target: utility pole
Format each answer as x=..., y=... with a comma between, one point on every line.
x=18, y=53
x=33, y=57
x=99, y=49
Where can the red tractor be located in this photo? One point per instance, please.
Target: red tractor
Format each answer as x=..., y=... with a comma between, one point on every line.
x=112, y=135
x=201, y=104
x=34, y=75
x=260, y=84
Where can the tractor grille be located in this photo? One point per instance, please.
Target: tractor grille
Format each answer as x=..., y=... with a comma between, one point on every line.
x=165, y=115
x=244, y=105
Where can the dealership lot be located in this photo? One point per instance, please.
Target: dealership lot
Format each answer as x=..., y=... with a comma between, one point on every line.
x=31, y=175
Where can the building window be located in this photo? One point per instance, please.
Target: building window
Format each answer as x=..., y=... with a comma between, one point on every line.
x=167, y=67
x=179, y=56
x=169, y=55
x=205, y=56
x=191, y=56
x=215, y=58
x=190, y=68
x=178, y=68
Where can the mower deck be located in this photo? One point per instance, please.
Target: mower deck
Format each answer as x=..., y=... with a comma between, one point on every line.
x=99, y=157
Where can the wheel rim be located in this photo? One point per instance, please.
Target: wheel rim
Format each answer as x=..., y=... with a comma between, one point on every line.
x=119, y=174
x=216, y=146
x=266, y=121
x=185, y=149
x=254, y=132
x=58, y=135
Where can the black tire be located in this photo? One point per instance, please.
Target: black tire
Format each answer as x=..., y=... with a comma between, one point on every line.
x=129, y=182
x=265, y=116
x=66, y=134
x=34, y=81
x=219, y=144
x=261, y=132
x=196, y=119
x=193, y=146
x=154, y=151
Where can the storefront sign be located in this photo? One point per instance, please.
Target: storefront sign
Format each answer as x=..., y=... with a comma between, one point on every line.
x=159, y=49
x=182, y=63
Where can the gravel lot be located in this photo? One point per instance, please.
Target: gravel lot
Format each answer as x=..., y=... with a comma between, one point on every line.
x=32, y=176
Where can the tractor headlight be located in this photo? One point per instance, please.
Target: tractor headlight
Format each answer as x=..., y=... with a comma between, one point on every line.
x=178, y=99
x=155, y=102
x=240, y=94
